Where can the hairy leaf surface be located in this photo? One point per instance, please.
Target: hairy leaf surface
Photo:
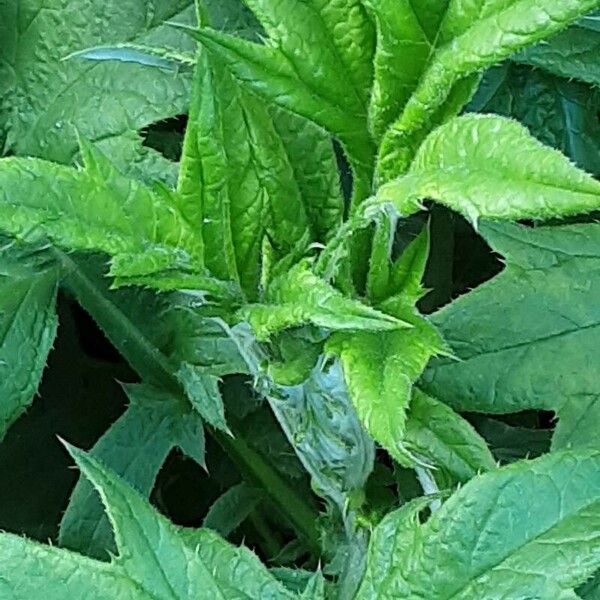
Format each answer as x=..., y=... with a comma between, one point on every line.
x=156, y=560
x=477, y=544
x=300, y=297
x=135, y=447
x=527, y=338
x=464, y=165
x=476, y=35
x=28, y=326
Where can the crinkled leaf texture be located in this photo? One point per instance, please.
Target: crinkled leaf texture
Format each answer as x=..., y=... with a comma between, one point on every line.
x=557, y=111
x=248, y=172
x=135, y=447
x=44, y=98
x=572, y=54
x=157, y=561
x=465, y=165
x=299, y=297
x=473, y=36
x=491, y=540
x=317, y=63
x=99, y=209
x=527, y=339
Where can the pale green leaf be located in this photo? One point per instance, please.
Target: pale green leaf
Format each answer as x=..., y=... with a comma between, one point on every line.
x=478, y=37
x=202, y=389
x=135, y=447
x=446, y=440
x=527, y=338
x=237, y=182
x=93, y=209
x=311, y=155
x=27, y=330
x=380, y=370
x=464, y=165
x=403, y=50
x=300, y=297
x=486, y=542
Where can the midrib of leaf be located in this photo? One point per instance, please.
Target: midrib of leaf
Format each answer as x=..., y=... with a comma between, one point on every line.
x=525, y=343
x=335, y=51
x=154, y=366
x=337, y=54
x=516, y=549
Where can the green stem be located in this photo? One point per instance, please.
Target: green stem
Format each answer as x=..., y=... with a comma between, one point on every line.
x=301, y=515
x=268, y=541
x=152, y=365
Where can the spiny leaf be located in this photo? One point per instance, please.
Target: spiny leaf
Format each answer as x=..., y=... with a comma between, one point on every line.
x=466, y=550
x=300, y=297
x=446, y=440
x=135, y=446
x=572, y=54
x=27, y=330
x=380, y=370
x=464, y=165
x=94, y=209
x=525, y=339
x=504, y=28
x=202, y=389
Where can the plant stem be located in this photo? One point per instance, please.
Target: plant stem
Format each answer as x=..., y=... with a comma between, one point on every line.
x=153, y=366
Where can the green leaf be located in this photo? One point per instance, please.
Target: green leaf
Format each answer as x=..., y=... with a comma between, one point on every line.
x=300, y=297
x=477, y=544
x=572, y=54
x=156, y=559
x=380, y=370
x=464, y=165
x=232, y=508
x=434, y=431
x=235, y=174
x=477, y=36
x=202, y=389
x=94, y=209
x=44, y=98
x=65, y=574
x=316, y=64
x=311, y=155
x=560, y=113
x=135, y=447
x=27, y=330
x=403, y=50
x=525, y=339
